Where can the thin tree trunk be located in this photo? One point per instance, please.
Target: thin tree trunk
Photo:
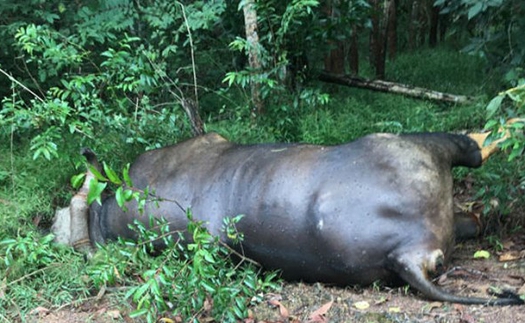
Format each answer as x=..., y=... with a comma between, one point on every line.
x=443, y=25
x=250, y=24
x=197, y=126
x=392, y=87
x=374, y=32
x=353, y=53
x=378, y=37
x=392, y=28
x=412, y=25
x=334, y=60
x=423, y=16
x=434, y=21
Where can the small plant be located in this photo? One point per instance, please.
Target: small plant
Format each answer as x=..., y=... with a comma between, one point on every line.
x=516, y=142
x=495, y=242
x=32, y=268
x=496, y=176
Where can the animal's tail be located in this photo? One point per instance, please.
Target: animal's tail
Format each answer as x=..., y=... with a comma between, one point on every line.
x=415, y=275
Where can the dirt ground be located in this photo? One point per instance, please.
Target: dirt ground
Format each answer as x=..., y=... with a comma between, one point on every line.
x=316, y=303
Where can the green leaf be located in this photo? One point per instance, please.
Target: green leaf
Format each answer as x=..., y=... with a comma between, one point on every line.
x=208, y=287
x=125, y=174
x=140, y=291
x=475, y=10
x=77, y=180
x=95, y=191
x=230, y=78
x=481, y=254
x=119, y=197
x=128, y=195
x=138, y=312
x=494, y=105
x=7, y=242
x=97, y=174
x=208, y=257
x=112, y=175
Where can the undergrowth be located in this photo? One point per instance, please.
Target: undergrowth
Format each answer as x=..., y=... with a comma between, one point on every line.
x=193, y=279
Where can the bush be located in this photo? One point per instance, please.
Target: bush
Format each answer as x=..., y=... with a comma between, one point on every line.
x=193, y=278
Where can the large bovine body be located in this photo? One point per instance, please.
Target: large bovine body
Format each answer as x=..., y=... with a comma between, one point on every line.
x=379, y=208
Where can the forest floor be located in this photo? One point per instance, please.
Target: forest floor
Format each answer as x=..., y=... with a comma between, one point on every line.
x=298, y=302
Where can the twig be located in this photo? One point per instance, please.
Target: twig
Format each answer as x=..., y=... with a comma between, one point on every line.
x=12, y=79
x=32, y=78
x=32, y=274
x=11, y=152
x=195, y=88
x=243, y=257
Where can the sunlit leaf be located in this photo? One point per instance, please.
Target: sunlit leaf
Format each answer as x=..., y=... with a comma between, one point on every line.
x=481, y=254
x=77, y=180
x=112, y=175
x=125, y=174
x=95, y=191
x=97, y=174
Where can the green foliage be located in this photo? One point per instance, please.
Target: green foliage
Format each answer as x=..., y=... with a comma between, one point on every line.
x=98, y=77
x=495, y=28
x=32, y=271
x=515, y=108
x=442, y=75
x=502, y=179
x=284, y=22
x=193, y=278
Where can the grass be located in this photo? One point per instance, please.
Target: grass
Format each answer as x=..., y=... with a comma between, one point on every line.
x=32, y=189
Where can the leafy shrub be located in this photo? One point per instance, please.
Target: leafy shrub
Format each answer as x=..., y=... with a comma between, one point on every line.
x=32, y=270
x=502, y=179
x=193, y=278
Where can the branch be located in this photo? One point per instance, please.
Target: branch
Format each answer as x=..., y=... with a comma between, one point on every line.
x=12, y=79
x=392, y=87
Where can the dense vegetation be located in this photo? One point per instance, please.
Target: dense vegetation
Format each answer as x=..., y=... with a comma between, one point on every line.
x=125, y=76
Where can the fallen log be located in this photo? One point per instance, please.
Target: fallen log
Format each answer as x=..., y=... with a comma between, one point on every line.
x=392, y=87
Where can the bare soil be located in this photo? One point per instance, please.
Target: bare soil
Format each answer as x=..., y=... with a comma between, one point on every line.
x=298, y=302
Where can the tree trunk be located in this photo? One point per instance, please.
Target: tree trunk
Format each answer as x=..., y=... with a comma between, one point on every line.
x=250, y=24
x=334, y=61
x=353, y=52
x=413, y=25
x=434, y=22
x=392, y=29
x=378, y=37
x=197, y=126
x=391, y=87
x=443, y=25
x=423, y=16
x=374, y=31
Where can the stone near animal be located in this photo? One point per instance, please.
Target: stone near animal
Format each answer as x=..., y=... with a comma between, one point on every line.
x=378, y=208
